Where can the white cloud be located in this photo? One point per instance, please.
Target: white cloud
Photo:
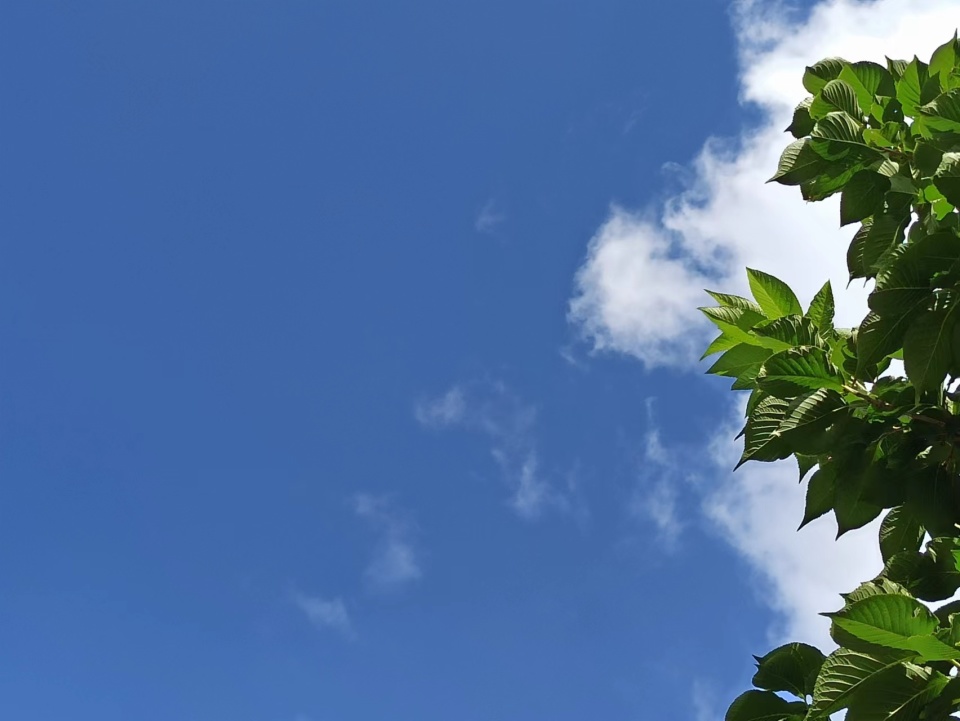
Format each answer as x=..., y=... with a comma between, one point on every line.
x=637, y=289
x=394, y=562
x=489, y=217
x=325, y=613
x=491, y=410
x=661, y=473
x=442, y=411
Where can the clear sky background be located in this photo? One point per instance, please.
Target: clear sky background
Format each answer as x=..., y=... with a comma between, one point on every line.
x=348, y=355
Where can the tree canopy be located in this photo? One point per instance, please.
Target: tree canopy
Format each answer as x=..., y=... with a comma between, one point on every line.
x=868, y=441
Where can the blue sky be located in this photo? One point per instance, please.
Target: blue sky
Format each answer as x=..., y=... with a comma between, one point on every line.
x=333, y=387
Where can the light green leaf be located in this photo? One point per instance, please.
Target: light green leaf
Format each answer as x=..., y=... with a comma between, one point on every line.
x=836, y=95
x=944, y=60
x=943, y=113
x=868, y=80
x=910, y=85
x=895, y=622
x=734, y=301
x=795, y=371
x=774, y=296
x=739, y=360
x=719, y=344
x=817, y=75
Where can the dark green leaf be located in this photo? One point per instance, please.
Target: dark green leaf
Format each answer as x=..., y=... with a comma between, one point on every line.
x=821, y=308
x=799, y=163
x=928, y=348
x=792, y=668
x=839, y=127
x=900, y=531
x=820, y=495
x=846, y=673
x=946, y=178
x=802, y=122
x=878, y=337
x=762, y=440
x=764, y=706
x=863, y=196
x=868, y=80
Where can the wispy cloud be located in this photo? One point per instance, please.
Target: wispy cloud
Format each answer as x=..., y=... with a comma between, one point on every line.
x=489, y=217
x=640, y=282
x=326, y=613
x=662, y=473
x=395, y=561
x=509, y=423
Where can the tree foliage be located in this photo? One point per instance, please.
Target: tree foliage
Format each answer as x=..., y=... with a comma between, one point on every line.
x=869, y=442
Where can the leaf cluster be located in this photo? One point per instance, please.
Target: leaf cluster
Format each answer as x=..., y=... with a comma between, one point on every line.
x=868, y=442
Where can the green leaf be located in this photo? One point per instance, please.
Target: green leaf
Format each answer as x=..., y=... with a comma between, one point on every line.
x=789, y=331
x=895, y=622
x=944, y=60
x=946, y=177
x=899, y=694
x=802, y=122
x=805, y=464
x=926, y=158
x=840, y=127
x=764, y=706
x=847, y=673
x=719, y=344
x=820, y=495
x=817, y=75
x=822, y=308
x=852, y=506
x=762, y=438
x=794, y=371
x=863, y=196
x=878, y=337
x=868, y=80
x=927, y=348
x=910, y=85
x=876, y=237
x=739, y=360
x=774, y=296
x=899, y=532
x=943, y=113
x=792, y=668
x=734, y=301
x=836, y=95
x=799, y=163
